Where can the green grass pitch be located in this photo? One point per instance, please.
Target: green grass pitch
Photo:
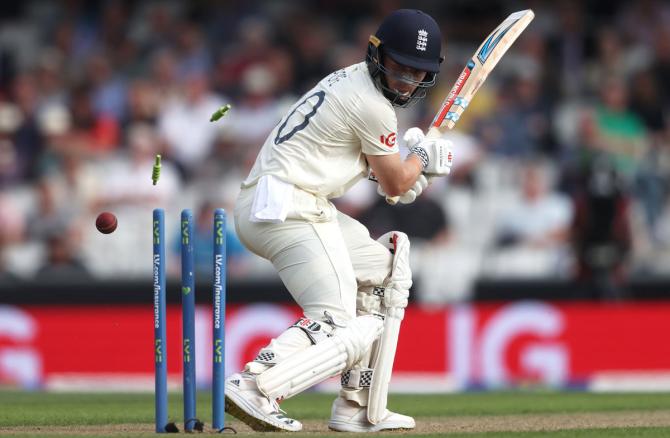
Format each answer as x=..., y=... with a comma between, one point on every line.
x=496, y=414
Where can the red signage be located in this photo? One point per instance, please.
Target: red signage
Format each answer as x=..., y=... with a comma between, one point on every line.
x=453, y=347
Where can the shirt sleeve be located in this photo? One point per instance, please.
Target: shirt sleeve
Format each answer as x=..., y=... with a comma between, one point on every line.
x=375, y=124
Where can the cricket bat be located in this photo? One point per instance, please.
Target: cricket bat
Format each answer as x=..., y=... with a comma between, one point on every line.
x=475, y=73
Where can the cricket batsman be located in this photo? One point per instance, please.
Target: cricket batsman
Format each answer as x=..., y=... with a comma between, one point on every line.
x=352, y=288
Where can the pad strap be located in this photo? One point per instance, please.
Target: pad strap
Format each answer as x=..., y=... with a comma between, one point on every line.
x=266, y=357
x=357, y=378
x=315, y=330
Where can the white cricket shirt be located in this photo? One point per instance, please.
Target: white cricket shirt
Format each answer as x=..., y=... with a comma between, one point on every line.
x=319, y=145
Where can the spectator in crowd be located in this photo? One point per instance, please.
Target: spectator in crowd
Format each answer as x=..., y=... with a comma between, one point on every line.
x=258, y=112
x=26, y=137
x=601, y=231
x=74, y=183
x=570, y=42
x=311, y=39
x=51, y=79
x=143, y=105
x=185, y=126
x=654, y=175
x=112, y=26
x=108, y=88
x=640, y=19
x=661, y=65
x=541, y=217
x=360, y=197
x=521, y=126
x=532, y=231
x=152, y=28
x=128, y=181
x=192, y=52
x=163, y=76
x=621, y=134
x=423, y=219
x=98, y=133
x=54, y=126
x=646, y=101
x=253, y=44
x=614, y=60
x=12, y=232
x=13, y=165
x=62, y=260
x=55, y=225
x=49, y=217
x=280, y=63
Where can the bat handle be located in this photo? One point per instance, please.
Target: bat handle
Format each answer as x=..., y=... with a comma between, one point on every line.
x=433, y=132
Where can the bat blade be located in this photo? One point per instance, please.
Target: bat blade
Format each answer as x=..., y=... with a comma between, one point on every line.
x=479, y=66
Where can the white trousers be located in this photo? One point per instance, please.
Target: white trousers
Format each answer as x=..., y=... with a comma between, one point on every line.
x=322, y=261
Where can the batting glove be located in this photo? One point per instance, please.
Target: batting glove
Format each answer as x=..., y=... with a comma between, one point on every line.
x=410, y=195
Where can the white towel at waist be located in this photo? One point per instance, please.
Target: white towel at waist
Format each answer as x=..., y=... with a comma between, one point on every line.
x=273, y=200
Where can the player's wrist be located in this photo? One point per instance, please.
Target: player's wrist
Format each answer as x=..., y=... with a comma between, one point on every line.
x=421, y=154
x=416, y=161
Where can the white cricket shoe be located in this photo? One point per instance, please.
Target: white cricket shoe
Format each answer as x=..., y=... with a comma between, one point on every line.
x=348, y=416
x=247, y=403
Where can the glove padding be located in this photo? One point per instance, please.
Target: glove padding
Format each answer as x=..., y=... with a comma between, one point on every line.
x=435, y=155
x=413, y=136
x=410, y=195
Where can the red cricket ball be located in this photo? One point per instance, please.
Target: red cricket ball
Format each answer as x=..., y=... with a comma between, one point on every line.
x=106, y=222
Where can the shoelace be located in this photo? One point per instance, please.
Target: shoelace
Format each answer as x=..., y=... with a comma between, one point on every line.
x=279, y=413
x=276, y=407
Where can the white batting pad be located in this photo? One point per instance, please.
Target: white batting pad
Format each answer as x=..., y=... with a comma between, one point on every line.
x=320, y=361
x=383, y=366
x=394, y=303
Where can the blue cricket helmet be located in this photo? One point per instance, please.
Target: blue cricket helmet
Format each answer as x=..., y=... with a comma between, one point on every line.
x=412, y=38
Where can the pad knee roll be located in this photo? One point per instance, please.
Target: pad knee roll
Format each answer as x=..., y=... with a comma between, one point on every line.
x=394, y=292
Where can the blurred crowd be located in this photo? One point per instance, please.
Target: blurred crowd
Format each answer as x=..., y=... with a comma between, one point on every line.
x=562, y=159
